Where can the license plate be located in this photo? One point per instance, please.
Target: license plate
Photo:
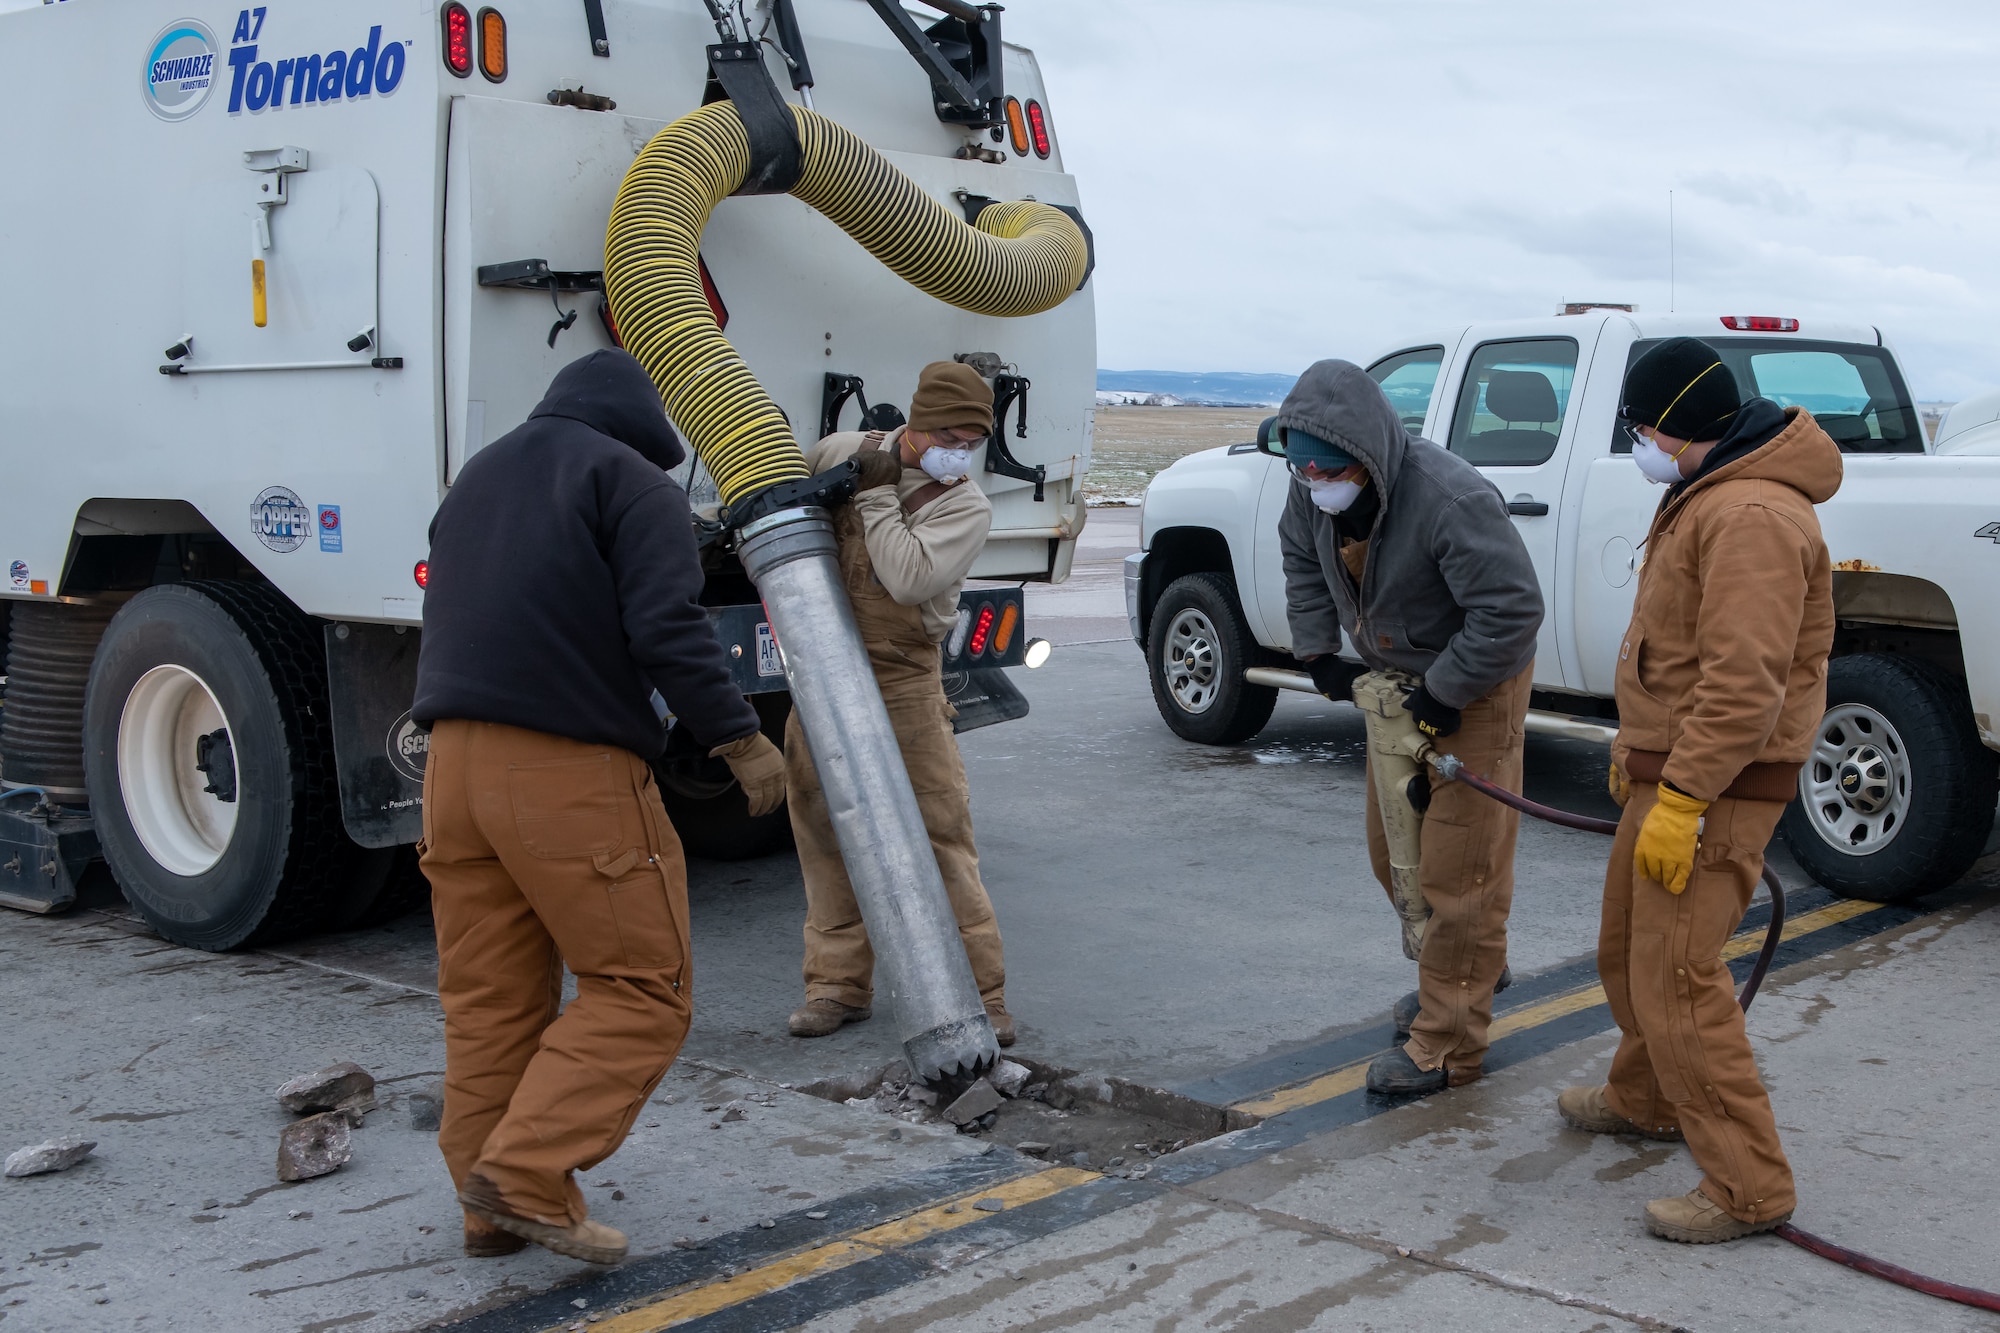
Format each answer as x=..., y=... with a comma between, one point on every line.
x=768, y=661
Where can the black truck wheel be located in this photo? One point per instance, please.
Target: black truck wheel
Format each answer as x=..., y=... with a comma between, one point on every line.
x=708, y=808
x=1897, y=796
x=208, y=755
x=1196, y=656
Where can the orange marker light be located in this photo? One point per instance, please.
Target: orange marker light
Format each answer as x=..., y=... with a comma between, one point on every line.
x=1010, y=620
x=259, y=306
x=492, y=45
x=1017, y=127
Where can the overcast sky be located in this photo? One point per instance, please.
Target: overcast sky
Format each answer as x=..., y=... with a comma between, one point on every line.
x=1274, y=181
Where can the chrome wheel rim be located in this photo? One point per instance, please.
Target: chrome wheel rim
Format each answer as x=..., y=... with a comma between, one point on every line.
x=183, y=827
x=1192, y=660
x=1855, y=786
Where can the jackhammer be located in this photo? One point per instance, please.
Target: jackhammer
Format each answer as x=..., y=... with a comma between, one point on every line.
x=1398, y=754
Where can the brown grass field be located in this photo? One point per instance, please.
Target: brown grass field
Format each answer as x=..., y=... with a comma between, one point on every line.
x=1134, y=443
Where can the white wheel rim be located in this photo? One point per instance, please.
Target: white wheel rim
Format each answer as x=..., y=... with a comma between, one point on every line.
x=1190, y=661
x=1855, y=786
x=182, y=827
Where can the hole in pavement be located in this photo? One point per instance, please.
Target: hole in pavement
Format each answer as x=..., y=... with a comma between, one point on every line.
x=1065, y=1117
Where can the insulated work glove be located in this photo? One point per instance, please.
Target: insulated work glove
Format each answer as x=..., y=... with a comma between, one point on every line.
x=1331, y=676
x=876, y=468
x=1669, y=839
x=759, y=767
x=1620, y=789
x=1435, y=720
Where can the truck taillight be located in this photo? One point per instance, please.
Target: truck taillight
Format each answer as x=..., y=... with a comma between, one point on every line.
x=1017, y=126
x=1010, y=620
x=422, y=573
x=492, y=45
x=457, y=39
x=1760, y=324
x=982, y=629
x=1038, y=127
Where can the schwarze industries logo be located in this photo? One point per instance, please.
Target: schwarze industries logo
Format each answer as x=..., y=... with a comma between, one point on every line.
x=180, y=69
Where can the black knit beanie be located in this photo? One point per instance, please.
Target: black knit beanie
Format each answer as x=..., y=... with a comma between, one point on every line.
x=1682, y=389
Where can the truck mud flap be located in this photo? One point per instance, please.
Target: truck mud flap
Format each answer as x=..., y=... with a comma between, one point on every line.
x=982, y=697
x=371, y=676
x=43, y=852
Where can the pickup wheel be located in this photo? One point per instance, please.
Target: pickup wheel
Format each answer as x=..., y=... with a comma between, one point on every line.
x=1897, y=796
x=1196, y=656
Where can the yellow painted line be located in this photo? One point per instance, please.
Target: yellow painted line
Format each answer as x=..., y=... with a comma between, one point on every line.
x=1349, y=1077
x=694, y=1302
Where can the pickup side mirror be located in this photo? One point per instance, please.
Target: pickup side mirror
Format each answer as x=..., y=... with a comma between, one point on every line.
x=1267, y=438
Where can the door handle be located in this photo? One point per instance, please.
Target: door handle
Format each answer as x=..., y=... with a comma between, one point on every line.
x=1528, y=508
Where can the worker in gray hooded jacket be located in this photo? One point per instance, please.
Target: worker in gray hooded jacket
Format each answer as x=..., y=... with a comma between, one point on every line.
x=1408, y=549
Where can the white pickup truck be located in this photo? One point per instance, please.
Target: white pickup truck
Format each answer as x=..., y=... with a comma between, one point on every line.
x=1898, y=796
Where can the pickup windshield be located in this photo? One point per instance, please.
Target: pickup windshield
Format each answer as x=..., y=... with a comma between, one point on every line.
x=1853, y=391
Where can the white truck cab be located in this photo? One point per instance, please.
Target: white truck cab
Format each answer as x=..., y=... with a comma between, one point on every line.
x=1899, y=795
x=283, y=267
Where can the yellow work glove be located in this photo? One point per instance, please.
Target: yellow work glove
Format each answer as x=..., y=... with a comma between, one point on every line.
x=1621, y=790
x=1668, y=839
x=759, y=767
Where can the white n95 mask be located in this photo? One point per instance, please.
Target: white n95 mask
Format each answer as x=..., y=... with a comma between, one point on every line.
x=1660, y=467
x=1334, y=497
x=945, y=465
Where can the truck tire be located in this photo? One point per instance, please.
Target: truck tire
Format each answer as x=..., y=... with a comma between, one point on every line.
x=1897, y=796
x=234, y=675
x=708, y=808
x=1196, y=655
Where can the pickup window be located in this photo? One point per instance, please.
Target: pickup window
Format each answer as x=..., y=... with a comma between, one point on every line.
x=1511, y=405
x=1853, y=391
x=1408, y=380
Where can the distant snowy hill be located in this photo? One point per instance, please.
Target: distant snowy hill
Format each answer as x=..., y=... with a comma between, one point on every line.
x=1201, y=386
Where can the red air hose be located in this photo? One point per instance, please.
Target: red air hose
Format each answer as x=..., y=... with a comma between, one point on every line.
x=1449, y=767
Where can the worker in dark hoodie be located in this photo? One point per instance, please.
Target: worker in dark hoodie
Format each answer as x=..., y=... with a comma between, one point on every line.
x=1721, y=685
x=1408, y=549
x=563, y=587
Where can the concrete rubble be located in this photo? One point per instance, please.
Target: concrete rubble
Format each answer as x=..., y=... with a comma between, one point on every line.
x=345, y=1087
x=55, y=1155
x=426, y=1107
x=1008, y=1078
x=976, y=1101
x=315, y=1146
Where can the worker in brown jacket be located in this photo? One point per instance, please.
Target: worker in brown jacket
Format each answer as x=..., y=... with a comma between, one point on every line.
x=907, y=541
x=1721, y=683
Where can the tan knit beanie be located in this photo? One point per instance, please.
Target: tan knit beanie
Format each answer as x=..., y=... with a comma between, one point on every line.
x=950, y=394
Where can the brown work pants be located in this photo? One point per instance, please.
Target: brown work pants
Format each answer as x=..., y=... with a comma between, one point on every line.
x=542, y=852
x=1466, y=871
x=840, y=962
x=1684, y=1058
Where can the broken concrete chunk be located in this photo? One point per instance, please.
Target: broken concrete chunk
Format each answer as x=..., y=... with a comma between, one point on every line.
x=1008, y=1078
x=334, y=1088
x=1060, y=1098
x=55, y=1155
x=917, y=1092
x=735, y=1111
x=427, y=1108
x=314, y=1146
x=989, y=1205
x=1032, y=1148
x=976, y=1101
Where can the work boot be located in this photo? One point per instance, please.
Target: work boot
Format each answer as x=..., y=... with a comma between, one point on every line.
x=819, y=1018
x=1002, y=1021
x=1588, y=1109
x=592, y=1242
x=1394, y=1074
x=484, y=1242
x=1695, y=1219
x=1404, y=1012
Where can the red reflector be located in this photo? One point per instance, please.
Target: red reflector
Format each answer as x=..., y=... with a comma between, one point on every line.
x=714, y=297
x=1760, y=324
x=981, y=628
x=1038, y=128
x=422, y=573
x=458, y=39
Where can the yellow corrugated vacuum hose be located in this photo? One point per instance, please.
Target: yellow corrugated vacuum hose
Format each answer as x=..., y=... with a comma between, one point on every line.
x=1019, y=259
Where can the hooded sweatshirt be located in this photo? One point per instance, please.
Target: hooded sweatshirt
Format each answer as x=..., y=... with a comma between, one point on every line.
x=1446, y=588
x=564, y=578
x=1724, y=663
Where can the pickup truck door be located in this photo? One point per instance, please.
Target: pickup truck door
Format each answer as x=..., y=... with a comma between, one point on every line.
x=1409, y=379
x=1513, y=416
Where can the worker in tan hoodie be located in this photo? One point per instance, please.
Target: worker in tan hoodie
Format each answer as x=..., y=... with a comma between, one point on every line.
x=1721, y=683
x=907, y=541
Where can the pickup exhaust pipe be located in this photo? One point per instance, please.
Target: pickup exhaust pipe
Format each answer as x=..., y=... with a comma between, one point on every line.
x=1019, y=259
